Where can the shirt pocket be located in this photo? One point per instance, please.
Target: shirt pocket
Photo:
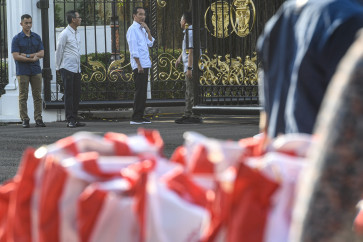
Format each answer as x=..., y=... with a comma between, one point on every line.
x=35, y=45
x=23, y=47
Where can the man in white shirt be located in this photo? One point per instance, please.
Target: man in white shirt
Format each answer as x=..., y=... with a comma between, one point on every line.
x=68, y=63
x=139, y=40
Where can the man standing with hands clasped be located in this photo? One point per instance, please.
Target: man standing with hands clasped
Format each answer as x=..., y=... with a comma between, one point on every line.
x=27, y=48
x=187, y=58
x=68, y=63
x=139, y=40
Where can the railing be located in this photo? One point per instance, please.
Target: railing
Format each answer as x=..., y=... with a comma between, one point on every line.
x=106, y=71
x=4, y=79
x=227, y=34
x=229, y=64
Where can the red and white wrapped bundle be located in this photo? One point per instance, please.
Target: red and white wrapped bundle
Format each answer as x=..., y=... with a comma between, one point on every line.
x=118, y=187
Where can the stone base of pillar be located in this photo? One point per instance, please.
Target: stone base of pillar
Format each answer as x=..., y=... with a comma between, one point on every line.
x=54, y=115
x=9, y=109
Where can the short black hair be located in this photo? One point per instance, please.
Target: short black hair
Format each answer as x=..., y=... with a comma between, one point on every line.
x=71, y=15
x=24, y=16
x=135, y=10
x=188, y=17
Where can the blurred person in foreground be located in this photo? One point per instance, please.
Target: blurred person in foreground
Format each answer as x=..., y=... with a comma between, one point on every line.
x=332, y=184
x=299, y=50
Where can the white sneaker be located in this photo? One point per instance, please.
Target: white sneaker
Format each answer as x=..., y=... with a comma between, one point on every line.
x=136, y=122
x=140, y=121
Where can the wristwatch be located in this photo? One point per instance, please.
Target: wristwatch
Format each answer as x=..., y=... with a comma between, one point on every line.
x=190, y=68
x=27, y=56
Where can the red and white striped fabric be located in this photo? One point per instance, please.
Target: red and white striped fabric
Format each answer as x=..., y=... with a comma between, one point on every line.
x=6, y=191
x=16, y=201
x=118, y=187
x=285, y=170
x=148, y=213
x=358, y=221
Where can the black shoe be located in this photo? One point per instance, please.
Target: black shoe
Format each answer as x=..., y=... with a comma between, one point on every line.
x=26, y=124
x=71, y=124
x=39, y=123
x=79, y=124
x=180, y=120
x=190, y=120
x=146, y=121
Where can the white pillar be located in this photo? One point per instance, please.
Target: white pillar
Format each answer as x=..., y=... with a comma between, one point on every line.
x=9, y=105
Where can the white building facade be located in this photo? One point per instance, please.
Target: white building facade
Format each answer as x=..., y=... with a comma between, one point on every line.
x=9, y=107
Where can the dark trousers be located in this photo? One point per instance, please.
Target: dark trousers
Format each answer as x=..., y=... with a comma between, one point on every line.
x=72, y=93
x=140, y=93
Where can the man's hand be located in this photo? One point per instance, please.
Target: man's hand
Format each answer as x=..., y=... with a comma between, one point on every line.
x=177, y=62
x=35, y=58
x=144, y=25
x=140, y=69
x=147, y=30
x=189, y=74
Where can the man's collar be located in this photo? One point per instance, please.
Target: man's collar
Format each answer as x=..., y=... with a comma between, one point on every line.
x=24, y=35
x=71, y=29
x=136, y=23
x=189, y=27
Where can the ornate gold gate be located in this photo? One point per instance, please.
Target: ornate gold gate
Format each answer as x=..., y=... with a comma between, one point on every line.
x=225, y=30
x=228, y=70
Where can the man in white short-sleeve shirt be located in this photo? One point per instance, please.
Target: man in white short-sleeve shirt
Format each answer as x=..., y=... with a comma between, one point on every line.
x=187, y=58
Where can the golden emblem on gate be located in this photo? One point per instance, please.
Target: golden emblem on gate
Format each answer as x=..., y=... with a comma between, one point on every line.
x=221, y=19
x=243, y=17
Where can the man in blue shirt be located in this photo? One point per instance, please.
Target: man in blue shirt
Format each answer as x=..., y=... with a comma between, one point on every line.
x=299, y=50
x=27, y=48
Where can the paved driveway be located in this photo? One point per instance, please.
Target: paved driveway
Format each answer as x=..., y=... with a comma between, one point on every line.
x=14, y=139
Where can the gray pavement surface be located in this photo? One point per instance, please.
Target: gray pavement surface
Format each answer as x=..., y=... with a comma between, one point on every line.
x=14, y=139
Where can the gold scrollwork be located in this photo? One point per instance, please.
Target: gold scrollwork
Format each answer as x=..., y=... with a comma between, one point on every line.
x=229, y=72
x=116, y=71
x=161, y=3
x=250, y=70
x=167, y=63
x=237, y=15
x=95, y=70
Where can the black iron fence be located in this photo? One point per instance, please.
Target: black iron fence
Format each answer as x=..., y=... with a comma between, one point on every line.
x=106, y=71
x=228, y=66
x=225, y=30
x=4, y=79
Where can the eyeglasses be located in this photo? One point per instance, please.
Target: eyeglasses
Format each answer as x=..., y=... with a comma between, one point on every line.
x=77, y=17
